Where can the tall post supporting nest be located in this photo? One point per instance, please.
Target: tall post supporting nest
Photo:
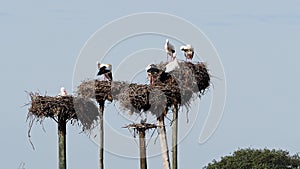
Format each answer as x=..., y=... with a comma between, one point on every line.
x=62, y=123
x=62, y=109
x=163, y=141
x=141, y=129
x=101, y=146
x=174, y=136
x=193, y=78
x=143, y=160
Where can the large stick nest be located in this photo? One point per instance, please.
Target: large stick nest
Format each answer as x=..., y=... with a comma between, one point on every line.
x=174, y=88
x=66, y=108
x=189, y=76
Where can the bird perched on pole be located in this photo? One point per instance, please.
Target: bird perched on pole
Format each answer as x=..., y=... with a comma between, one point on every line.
x=170, y=50
x=151, y=70
x=63, y=92
x=105, y=69
x=188, y=51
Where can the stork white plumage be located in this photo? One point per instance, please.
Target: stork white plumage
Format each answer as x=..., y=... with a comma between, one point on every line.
x=63, y=92
x=172, y=66
x=105, y=69
x=151, y=70
x=173, y=56
x=188, y=51
x=170, y=50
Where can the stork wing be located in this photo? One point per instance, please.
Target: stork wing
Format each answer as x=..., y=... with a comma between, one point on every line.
x=172, y=48
x=109, y=74
x=102, y=70
x=183, y=48
x=99, y=65
x=153, y=69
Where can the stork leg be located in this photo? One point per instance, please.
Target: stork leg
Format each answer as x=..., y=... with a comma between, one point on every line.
x=167, y=57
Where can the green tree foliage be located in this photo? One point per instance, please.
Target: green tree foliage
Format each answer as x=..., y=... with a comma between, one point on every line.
x=257, y=159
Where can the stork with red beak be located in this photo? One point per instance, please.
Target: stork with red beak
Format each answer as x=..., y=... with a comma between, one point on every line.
x=170, y=50
x=63, y=92
x=105, y=69
x=188, y=51
x=151, y=70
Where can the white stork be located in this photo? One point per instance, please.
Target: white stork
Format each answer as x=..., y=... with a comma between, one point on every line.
x=170, y=50
x=151, y=69
x=106, y=70
x=63, y=92
x=188, y=51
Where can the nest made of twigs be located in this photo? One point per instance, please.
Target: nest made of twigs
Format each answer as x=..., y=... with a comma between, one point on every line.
x=173, y=88
x=189, y=76
x=67, y=108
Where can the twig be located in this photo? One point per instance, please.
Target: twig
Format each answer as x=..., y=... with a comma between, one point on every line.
x=28, y=134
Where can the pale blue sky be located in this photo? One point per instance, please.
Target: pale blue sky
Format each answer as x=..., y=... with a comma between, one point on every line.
x=258, y=43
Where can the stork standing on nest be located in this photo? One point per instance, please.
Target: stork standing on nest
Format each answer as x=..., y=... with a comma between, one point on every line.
x=170, y=50
x=151, y=69
x=105, y=69
x=63, y=92
x=188, y=51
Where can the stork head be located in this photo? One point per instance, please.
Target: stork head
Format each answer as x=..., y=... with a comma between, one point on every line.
x=98, y=64
x=62, y=89
x=108, y=67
